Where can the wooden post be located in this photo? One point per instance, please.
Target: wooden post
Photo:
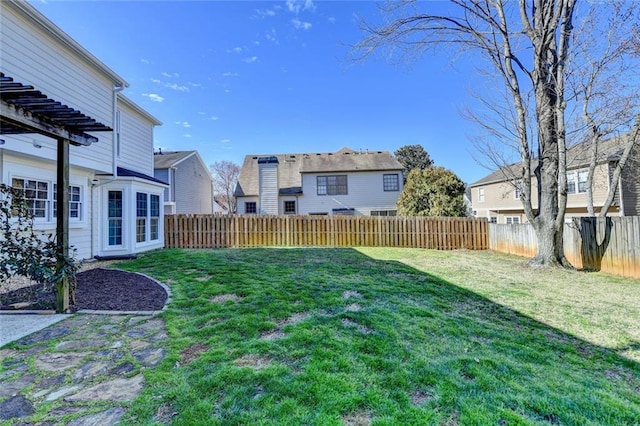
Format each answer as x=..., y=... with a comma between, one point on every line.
x=62, y=225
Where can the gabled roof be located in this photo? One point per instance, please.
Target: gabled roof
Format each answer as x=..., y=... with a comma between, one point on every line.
x=165, y=160
x=578, y=156
x=348, y=160
x=291, y=166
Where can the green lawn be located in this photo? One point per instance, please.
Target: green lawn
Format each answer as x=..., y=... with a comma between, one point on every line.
x=390, y=337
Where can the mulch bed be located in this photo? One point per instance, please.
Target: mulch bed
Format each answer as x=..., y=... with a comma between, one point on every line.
x=97, y=289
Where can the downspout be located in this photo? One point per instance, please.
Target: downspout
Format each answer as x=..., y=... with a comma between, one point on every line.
x=114, y=157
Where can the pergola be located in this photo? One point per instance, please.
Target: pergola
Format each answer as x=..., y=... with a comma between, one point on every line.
x=25, y=110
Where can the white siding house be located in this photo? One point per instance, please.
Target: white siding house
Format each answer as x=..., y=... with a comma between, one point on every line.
x=345, y=182
x=114, y=199
x=190, y=183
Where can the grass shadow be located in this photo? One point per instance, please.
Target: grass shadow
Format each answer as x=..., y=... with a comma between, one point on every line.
x=378, y=339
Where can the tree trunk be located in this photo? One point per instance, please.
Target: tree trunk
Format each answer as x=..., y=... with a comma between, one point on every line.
x=550, y=245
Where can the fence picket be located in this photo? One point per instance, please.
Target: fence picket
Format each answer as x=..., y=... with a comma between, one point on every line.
x=209, y=231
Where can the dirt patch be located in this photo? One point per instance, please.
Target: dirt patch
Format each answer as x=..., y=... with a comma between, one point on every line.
x=272, y=335
x=205, y=278
x=351, y=294
x=352, y=324
x=419, y=397
x=222, y=298
x=361, y=418
x=192, y=352
x=354, y=307
x=164, y=414
x=294, y=319
x=252, y=361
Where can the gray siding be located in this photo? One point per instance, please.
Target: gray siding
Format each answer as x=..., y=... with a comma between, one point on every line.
x=630, y=184
x=364, y=193
x=192, y=187
x=163, y=175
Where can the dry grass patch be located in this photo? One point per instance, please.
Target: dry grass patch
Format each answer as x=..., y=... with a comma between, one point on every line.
x=222, y=298
x=361, y=418
x=272, y=335
x=205, y=278
x=294, y=319
x=352, y=324
x=351, y=294
x=164, y=414
x=354, y=307
x=255, y=362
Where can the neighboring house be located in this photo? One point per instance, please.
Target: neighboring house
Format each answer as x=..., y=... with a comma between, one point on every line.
x=114, y=200
x=190, y=183
x=497, y=195
x=220, y=206
x=345, y=182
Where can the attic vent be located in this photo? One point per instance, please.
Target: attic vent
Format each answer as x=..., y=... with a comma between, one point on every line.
x=254, y=158
x=318, y=153
x=292, y=156
x=379, y=152
x=331, y=153
x=346, y=153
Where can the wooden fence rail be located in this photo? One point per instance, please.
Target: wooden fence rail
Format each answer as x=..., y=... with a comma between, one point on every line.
x=610, y=245
x=211, y=231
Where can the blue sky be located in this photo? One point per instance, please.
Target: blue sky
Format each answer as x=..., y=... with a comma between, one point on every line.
x=232, y=78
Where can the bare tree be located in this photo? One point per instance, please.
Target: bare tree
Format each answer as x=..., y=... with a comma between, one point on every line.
x=605, y=86
x=225, y=178
x=526, y=46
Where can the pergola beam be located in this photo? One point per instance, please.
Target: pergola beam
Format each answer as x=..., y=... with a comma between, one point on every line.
x=16, y=118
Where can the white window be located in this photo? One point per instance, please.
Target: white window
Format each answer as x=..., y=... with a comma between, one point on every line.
x=493, y=219
x=512, y=220
x=481, y=195
x=154, y=221
x=115, y=218
x=147, y=217
x=577, y=181
x=36, y=196
x=40, y=198
x=517, y=192
x=75, y=202
x=142, y=211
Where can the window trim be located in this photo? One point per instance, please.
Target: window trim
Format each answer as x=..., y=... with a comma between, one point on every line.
x=512, y=220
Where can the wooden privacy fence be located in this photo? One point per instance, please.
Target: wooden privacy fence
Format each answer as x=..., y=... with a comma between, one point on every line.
x=611, y=244
x=210, y=231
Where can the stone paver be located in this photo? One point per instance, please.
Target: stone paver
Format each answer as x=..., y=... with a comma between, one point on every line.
x=84, y=370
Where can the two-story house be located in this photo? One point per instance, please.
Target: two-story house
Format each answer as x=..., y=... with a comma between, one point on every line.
x=497, y=195
x=190, y=183
x=114, y=200
x=346, y=182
